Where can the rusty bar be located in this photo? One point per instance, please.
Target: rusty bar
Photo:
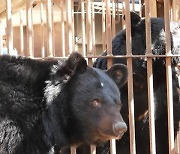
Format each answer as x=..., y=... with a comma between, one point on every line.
x=42, y=29
x=21, y=33
x=93, y=31
x=69, y=25
x=141, y=8
x=66, y=30
x=1, y=38
x=53, y=38
x=49, y=28
x=113, y=146
x=150, y=79
x=73, y=150
x=9, y=30
x=83, y=28
x=103, y=26
x=130, y=79
x=88, y=27
x=175, y=10
x=93, y=149
x=89, y=30
x=113, y=19
x=133, y=5
x=178, y=140
x=108, y=33
x=62, y=41
x=123, y=12
x=30, y=52
x=123, y=56
x=169, y=78
x=32, y=32
x=109, y=60
x=72, y=26
x=153, y=8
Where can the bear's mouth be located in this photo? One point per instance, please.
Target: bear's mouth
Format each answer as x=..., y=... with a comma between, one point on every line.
x=103, y=136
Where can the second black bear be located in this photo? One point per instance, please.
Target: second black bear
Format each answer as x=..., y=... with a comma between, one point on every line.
x=140, y=83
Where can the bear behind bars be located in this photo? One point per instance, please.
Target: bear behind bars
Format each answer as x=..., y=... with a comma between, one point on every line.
x=45, y=104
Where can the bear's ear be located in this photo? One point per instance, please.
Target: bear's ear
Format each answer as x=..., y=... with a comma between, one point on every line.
x=119, y=74
x=135, y=18
x=75, y=63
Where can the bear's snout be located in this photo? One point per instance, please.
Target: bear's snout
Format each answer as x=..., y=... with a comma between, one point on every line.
x=119, y=128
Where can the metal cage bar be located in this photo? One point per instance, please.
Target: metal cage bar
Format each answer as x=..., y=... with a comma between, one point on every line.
x=130, y=79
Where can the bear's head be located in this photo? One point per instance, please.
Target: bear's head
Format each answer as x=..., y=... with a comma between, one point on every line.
x=83, y=103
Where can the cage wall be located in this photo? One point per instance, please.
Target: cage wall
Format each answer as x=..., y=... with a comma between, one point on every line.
x=55, y=28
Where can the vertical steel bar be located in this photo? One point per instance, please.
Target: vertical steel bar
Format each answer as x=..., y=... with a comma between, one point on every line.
x=89, y=30
x=62, y=28
x=21, y=32
x=53, y=38
x=42, y=29
x=141, y=7
x=69, y=24
x=93, y=31
x=83, y=28
x=103, y=26
x=73, y=150
x=113, y=19
x=49, y=28
x=130, y=79
x=153, y=8
x=113, y=146
x=72, y=26
x=32, y=31
x=1, y=38
x=169, y=78
x=133, y=5
x=123, y=12
x=109, y=52
x=150, y=79
x=30, y=52
x=93, y=149
x=108, y=33
x=9, y=30
x=66, y=29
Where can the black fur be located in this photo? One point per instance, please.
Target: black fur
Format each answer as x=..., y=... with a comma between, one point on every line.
x=140, y=83
x=48, y=105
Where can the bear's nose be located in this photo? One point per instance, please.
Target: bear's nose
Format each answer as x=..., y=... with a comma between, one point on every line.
x=120, y=128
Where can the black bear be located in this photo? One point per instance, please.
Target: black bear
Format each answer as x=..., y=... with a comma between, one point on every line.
x=46, y=105
x=140, y=83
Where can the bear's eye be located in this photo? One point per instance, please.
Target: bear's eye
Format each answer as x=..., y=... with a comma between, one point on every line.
x=96, y=103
